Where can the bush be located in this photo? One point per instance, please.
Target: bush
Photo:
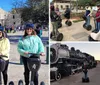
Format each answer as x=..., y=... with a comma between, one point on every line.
x=80, y=15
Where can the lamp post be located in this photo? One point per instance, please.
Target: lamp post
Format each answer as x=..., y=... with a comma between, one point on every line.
x=76, y=5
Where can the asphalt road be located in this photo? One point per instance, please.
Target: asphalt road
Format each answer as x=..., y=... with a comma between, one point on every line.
x=94, y=75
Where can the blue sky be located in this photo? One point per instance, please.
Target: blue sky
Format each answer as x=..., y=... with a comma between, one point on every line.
x=91, y=48
x=7, y=4
x=50, y=0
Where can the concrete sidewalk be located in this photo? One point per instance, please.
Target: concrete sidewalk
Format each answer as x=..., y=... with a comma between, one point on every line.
x=76, y=32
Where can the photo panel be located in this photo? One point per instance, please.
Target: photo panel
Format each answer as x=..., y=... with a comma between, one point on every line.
x=74, y=63
x=74, y=20
x=24, y=42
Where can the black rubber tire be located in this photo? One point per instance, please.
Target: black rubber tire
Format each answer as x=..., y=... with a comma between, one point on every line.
x=59, y=25
x=60, y=37
x=20, y=82
x=69, y=23
x=85, y=80
x=66, y=22
x=84, y=25
x=58, y=77
x=11, y=83
x=89, y=27
x=42, y=83
x=52, y=34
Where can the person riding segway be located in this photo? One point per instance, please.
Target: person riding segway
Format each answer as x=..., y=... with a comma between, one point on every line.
x=4, y=56
x=55, y=35
x=30, y=43
x=85, y=71
x=86, y=17
x=67, y=16
x=95, y=35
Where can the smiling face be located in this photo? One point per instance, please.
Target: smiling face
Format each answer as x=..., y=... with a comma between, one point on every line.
x=29, y=31
x=0, y=33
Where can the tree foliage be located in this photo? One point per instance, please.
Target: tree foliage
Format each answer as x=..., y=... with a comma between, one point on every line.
x=35, y=10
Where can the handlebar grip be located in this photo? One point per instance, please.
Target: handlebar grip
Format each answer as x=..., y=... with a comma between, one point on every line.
x=3, y=56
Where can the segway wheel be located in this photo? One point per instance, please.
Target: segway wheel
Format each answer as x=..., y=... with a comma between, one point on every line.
x=69, y=23
x=59, y=25
x=58, y=77
x=11, y=83
x=89, y=27
x=83, y=80
x=87, y=80
x=42, y=83
x=84, y=25
x=20, y=82
x=66, y=22
x=52, y=34
x=60, y=37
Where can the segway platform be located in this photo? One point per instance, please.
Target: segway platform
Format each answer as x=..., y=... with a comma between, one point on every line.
x=58, y=37
x=85, y=80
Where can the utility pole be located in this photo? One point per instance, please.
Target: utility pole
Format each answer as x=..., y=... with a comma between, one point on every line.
x=76, y=5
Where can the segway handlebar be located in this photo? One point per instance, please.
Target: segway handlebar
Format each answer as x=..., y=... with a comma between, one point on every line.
x=35, y=55
x=3, y=56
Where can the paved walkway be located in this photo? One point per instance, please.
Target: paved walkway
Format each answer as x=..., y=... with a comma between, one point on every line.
x=76, y=32
x=94, y=75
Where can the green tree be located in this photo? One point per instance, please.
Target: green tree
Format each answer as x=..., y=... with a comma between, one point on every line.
x=36, y=10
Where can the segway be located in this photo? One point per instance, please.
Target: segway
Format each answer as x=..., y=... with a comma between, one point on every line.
x=69, y=23
x=57, y=37
x=33, y=63
x=11, y=83
x=2, y=66
x=88, y=27
x=85, y=79
x=59, y=24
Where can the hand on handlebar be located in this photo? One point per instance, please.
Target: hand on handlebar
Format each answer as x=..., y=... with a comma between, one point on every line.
x=26, y=53
x=42, y=54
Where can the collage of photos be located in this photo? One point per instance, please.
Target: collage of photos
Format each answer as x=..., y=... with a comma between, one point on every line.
x=49, y=42
x=74, y=42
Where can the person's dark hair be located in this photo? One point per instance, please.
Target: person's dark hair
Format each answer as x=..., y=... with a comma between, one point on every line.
x=67, y=6
x=3, y=34
x=33, y=33
x=0, y=24
x=52, y=8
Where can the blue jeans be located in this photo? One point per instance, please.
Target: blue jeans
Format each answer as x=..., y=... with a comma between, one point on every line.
x=97, y=26
x=88, y=20
x=85, y=75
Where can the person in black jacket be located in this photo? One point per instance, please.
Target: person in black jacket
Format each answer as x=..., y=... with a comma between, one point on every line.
x=67, y=13
x=85, y=69
x=54, y=20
